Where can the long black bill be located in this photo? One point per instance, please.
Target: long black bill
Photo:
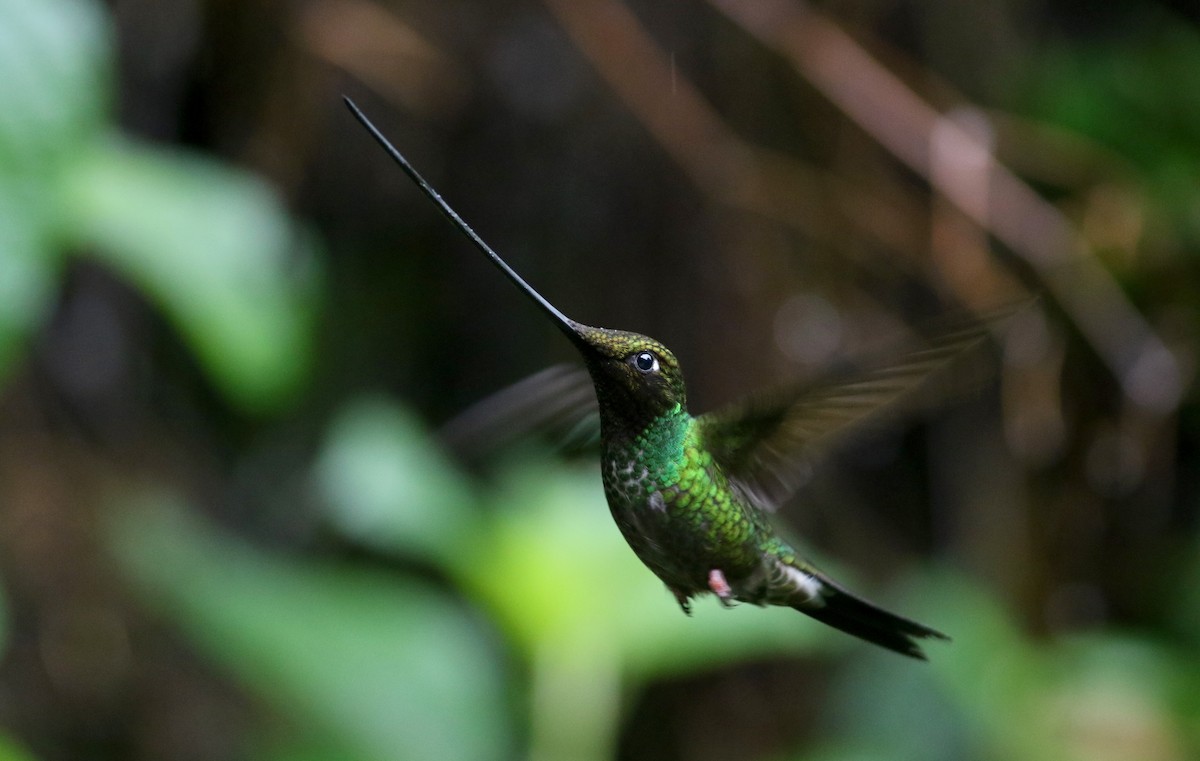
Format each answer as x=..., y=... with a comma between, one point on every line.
x=565, y=324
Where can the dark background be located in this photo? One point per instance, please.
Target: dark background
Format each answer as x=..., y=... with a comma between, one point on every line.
x=229, y=327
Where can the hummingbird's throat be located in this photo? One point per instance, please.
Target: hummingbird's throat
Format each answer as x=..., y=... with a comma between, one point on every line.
x=626, y=413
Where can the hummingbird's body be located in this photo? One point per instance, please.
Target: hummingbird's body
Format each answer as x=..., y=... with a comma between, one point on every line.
x=676, y=509
x=674, y=506
x=678, y=513
x=689, y=493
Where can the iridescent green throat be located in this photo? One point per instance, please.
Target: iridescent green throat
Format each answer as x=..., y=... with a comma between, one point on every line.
x=663, y=442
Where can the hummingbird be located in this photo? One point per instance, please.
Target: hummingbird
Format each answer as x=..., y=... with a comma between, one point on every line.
x=691, y=493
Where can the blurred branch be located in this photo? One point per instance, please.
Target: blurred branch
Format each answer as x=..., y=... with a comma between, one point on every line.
x=726, y=168
x=996, y=199
x=368, y=41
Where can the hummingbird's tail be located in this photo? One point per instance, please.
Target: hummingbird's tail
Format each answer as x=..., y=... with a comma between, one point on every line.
x=836, y=607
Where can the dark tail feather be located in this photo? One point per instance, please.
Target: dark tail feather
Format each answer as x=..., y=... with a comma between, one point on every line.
x=856, y=616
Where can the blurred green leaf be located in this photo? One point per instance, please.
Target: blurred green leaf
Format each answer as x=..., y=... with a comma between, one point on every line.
x=296, y=742
x=847, y=750
x=389, y=487
x=1183, y=604
x=1135, y=94
x=900, y=706
x=54, y=55
x=214, y=248
x=991, y=673
x=1112, y=699
x=11, y=751
x=981, y=696
x=28, y=269
x=993, y=694
x=387, y=665
x=57, y=64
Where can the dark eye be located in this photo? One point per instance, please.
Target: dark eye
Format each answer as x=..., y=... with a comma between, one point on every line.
x=646, y=362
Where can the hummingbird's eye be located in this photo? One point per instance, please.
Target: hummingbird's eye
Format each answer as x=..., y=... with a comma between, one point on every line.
x=646, y=362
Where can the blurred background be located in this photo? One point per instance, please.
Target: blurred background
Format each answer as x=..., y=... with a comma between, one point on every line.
x=230, y=330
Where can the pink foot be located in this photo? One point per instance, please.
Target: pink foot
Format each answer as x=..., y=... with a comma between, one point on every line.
x=719, y=586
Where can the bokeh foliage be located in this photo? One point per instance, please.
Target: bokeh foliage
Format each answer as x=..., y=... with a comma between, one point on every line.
x=209, y=245
x=228, y=530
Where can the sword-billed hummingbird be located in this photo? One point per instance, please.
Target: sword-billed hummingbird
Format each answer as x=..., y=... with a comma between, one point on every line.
x=690, y=493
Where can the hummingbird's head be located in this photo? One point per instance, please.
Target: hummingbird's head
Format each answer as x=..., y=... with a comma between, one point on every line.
x=637, y=378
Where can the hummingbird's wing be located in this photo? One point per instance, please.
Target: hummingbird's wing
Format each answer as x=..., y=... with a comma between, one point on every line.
x=768, y=442
x=557, y=404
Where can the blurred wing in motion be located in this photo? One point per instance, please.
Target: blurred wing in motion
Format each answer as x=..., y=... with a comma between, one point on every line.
x=557, y=405
x=768, y=443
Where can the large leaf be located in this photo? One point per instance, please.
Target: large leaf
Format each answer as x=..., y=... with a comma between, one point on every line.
x=213, y=247
x=387, y=665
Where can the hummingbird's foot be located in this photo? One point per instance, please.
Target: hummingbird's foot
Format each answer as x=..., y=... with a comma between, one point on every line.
x=684, y=600
x=720, y=587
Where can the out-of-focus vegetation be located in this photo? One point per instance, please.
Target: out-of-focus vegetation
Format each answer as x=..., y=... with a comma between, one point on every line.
x=229, y=330
x=210, y=246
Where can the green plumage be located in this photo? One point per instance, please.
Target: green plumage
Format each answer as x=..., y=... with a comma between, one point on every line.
x=690, y=494
x=674, y=506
